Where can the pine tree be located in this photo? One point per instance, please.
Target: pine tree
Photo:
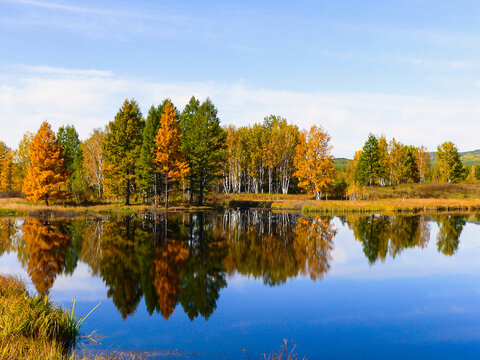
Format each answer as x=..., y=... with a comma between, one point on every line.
x=369, y=165
x=68, y=138
x=121, y=150
x=46, y=175
x=169, y=158
x=204, y=143
x=314, y=162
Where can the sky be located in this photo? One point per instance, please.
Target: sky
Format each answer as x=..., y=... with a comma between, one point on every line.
x=406, y=69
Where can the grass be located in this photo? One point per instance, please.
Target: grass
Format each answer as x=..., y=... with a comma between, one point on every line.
x=404, y=198
x=31, y=327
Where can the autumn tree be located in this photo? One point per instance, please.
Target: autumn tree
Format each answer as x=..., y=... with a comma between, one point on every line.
x=449, y=162
x=6, y=167
x=313, y=161
x=121, y=150
x=46, y=175
x=204, y=144
x=21, y=160
x=423, y=163
x=92, y=165
x=149, y=179
x=169, y=157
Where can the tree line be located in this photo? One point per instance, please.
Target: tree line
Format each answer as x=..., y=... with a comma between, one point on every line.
x=187, y=153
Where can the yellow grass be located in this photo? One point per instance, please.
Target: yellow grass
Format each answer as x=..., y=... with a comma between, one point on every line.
x=384, y=205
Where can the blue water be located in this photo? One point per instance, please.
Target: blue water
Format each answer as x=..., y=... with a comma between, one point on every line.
x=421, y=304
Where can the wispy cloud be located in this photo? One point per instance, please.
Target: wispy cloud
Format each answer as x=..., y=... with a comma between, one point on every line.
x=90, y=98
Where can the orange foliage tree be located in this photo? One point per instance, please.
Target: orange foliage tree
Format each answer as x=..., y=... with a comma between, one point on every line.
x=313, y=161
x=168, y=156
x=46, y=174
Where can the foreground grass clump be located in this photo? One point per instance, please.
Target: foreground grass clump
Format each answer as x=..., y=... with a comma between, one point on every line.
x=31, y=327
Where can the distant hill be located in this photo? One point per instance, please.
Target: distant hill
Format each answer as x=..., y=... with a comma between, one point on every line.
x=340, y=163
x=469, y=158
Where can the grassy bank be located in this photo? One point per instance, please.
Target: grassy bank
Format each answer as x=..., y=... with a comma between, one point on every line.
x=31, y=327
x=379, y=206
x=402, y=198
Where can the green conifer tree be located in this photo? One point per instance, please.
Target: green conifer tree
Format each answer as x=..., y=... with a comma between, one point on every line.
x=204, y=143
x=369, y=165
x=121, y=150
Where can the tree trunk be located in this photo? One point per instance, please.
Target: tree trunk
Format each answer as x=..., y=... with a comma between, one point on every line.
x=202, y=186
x=166, y=192
x=127, y=198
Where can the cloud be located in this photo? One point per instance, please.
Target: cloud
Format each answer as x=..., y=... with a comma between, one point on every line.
x=89, y=98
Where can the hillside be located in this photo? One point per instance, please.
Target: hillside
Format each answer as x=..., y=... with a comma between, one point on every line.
x=341, y=163
x=469, y=158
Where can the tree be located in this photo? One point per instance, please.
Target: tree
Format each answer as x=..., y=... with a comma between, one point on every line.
x=410, y=172
x=92, y=150
x=449, y=162
x=204, y=143
x=369, y=167
x=68, y=138
x=6, y=167
x=46, y=174
x=168, y=156
x=149, y=178
x=313, y=161
x=423, y=163
x=21, y=160
x=121, y=150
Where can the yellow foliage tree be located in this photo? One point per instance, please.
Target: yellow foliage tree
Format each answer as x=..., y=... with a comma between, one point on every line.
x=168, y=156
x=6, y=167
x=46, y=174
x=313, y=161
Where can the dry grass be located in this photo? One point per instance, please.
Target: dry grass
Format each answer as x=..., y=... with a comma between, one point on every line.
x=382, y=206
x=423, y=191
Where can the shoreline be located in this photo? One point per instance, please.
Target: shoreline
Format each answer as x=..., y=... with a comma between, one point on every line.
x=20, y=207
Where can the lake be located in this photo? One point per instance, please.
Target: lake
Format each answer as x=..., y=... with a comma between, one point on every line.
x=209, y=285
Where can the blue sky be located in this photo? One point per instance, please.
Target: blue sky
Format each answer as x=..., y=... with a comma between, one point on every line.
x=406, y=69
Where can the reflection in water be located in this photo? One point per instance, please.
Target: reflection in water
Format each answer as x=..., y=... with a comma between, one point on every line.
x=46, y=245
x=185, y=258
x=448, y=237
x=383, y=235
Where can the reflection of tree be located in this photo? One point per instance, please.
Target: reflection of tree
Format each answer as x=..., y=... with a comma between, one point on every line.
x=119, y=266
x=169, y=261
x=204, y=274
x=261, y=245
x=313, y=245
x=383, y=235
x=450, y=228
x=8, y=233
x=46, y=246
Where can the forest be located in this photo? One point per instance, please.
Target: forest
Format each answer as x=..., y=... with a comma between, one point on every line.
x=184, y=155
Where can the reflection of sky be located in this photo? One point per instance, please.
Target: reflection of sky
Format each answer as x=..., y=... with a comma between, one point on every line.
x=420, y=305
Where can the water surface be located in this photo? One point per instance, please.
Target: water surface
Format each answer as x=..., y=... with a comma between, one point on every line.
x=212, y=284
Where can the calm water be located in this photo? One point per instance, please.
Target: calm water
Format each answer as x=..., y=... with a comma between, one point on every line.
x=213, y=284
